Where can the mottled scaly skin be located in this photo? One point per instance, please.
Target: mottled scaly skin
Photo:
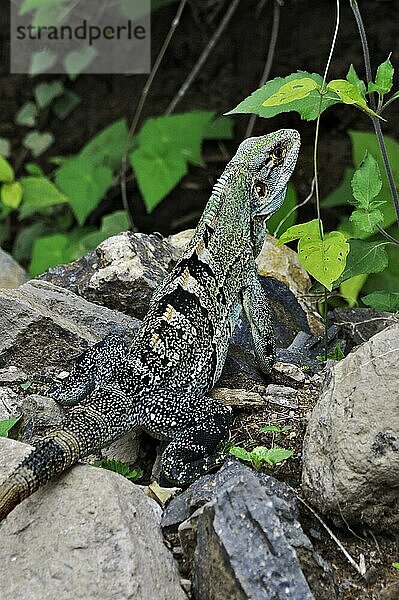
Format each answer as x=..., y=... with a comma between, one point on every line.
x=160, y=383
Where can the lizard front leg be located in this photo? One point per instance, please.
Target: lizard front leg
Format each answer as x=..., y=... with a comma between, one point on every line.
x=258, y=311
x=91, y=371
x=195, y=426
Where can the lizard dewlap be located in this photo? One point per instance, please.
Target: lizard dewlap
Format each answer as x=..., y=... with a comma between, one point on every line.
x=161, y=382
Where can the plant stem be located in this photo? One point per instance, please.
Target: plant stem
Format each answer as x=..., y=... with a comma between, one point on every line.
x=315, y=162
x=388, y=236
x=269, y=59
x=141, y=103
x=204, y=55
x=375, y=120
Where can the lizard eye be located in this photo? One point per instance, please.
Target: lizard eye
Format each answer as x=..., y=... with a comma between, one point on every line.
x=261, y=189
x=278, y=153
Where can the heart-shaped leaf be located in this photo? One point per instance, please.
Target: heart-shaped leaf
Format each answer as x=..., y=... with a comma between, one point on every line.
x=38, y=142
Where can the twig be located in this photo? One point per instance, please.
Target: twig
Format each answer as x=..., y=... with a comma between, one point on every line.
x=359, y=569
x=375, y=120
x=308, y=197
x=204, y=55
x=269, y=59
x=141, y=103
x=387, y=235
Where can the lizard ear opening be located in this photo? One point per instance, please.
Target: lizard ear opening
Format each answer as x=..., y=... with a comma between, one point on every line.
x=261, y=189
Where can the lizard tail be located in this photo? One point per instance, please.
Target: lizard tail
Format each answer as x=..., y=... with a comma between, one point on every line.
x=84, y=430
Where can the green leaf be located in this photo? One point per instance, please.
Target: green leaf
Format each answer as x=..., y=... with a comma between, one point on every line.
x=366, y=182
x=110, y=225
x=77, y=61
x=240, y=453
x=26, y=385
x=351, y=288
x=34, y=169
x=382, y=301
x=388, y=279
x=23, y=244
x=384, y=78
x=7, y=425
x=11, y=194
x=65, y=104
x=323, y=258
x=108, y=146
x=39, y=193
x=6, y=170
x=395, y=565
x=349, y=94
x=220, y=128
x=271, y=456
x=286, y=216
x=165, y=146
x=5, y=147
x=38, y=142
x=296, y=89
x=45, y=93
x=42, y=62
x=84, y=184
x=28, y=5
x=47, y=252
x=353, y=78
x=366, y=219
x=120, y=468
x=342, y=194
x=27, y=115
x=308, y=107
x=273, y=428
x=363, y=258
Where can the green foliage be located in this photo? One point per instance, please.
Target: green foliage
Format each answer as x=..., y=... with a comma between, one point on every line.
x=39, y=193
x=160, y=166
x=366, y=185
x=106, y=148
x=120, y=468
x=348, y=93
x=27, y=115
x=5, y=147
x=286, y=215
x=307, y=105
x=383, y=301
x=336, y=354
x=324, y=257
x=45, y=93
x=7, y=425
x=11, y=194
x=6, y=171
x=275, y=429
x=79, y=178
x=395, y=565
x=260, y=455
x=384, y=79
x=364, y=257
x=38, y=142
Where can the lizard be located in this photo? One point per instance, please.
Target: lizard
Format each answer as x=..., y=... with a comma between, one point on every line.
x=160, y=383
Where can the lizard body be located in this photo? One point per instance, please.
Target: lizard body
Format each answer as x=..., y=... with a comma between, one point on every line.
x=160, y=383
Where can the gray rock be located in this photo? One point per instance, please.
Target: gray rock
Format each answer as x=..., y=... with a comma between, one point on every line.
x=42, y=324
x=245, y=541
x=11, y=273
x=351, y=448
x=359, y=324
x=40, y=415
x=10, y=403
x=12, y=374
x=281, y=395
x=121, y=273
x=90, y=534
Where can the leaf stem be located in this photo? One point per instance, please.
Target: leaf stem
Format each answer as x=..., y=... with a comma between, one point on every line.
x=375, y=120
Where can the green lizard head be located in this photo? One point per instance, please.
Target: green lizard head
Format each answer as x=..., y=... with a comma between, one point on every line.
x=270, y=160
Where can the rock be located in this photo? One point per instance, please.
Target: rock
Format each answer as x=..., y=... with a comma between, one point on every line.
x=351, y=448
x=11, y=273
x=122, y=273
x=43, y=325
x=281, y=395
x=238, y=398
x=360, y=324
x=287, y=373
x=125, y=449
x=12, y=374
x=244, y=539
x=40, y=415
x=90, y=534
x=10, y=403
